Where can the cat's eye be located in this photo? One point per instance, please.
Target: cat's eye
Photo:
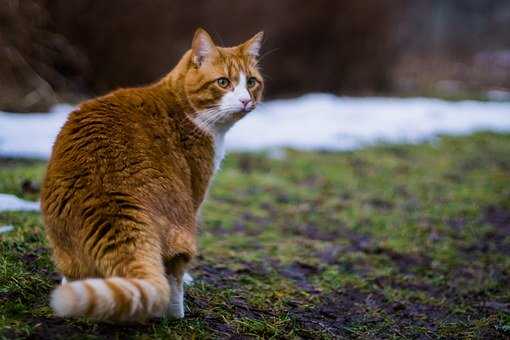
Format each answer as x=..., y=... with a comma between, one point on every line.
x=223, y=82
x=252, y=81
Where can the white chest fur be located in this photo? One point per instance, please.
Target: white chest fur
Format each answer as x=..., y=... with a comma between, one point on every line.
x=218, y=135
x=219, y=120
x=219, y=149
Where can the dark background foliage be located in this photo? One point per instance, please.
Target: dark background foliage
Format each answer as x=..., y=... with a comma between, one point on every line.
x=58, y=50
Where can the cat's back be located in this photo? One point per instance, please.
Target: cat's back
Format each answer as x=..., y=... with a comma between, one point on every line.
x=100, y=125
x=106, y=145
x=109, y=130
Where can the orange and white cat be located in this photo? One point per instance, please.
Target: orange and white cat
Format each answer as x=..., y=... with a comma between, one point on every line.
x=127, y=176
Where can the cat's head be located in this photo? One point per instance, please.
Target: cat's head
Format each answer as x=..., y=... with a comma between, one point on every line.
x=223, y=84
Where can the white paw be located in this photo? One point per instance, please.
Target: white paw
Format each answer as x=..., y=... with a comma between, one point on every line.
x=187, y=279
x=64, y=280
x=176, y=311
x=176, y=305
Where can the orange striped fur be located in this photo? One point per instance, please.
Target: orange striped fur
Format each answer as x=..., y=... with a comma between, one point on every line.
x=126, y=179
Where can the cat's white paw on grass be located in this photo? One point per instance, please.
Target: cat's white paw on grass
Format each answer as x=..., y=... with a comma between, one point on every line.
x=176, y=311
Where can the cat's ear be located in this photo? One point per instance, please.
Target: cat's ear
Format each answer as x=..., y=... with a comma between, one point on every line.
x=252, y=46
x=202, y=46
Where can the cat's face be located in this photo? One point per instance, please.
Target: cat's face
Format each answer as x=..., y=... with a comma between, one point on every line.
x=223, y=84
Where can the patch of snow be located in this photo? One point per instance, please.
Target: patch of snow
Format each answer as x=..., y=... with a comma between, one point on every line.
x=187, y=279
x=31, y=135
x=321, y=121
x=13, y=203
x=6, y=228
x=314, y=121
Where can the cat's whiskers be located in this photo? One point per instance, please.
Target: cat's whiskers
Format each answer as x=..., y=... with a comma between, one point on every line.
x=206, y=120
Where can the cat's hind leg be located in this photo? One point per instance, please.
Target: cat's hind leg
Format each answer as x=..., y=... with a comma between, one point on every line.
x=176, y=270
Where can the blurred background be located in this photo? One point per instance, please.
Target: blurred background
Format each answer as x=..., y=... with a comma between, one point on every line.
x=59, y=50
x=367, y=197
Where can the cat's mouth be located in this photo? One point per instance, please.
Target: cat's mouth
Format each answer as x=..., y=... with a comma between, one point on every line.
x=248, y=109
x=243, y=112
x=235, y=114
x=238, y=115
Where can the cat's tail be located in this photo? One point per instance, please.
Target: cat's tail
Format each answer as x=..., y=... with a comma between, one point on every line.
x=115, y=298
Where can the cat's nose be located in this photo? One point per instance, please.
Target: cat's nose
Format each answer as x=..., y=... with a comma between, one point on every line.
x=245, y=102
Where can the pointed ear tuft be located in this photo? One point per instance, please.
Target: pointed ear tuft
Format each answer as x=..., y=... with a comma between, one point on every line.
x=202, y=46
x=252, y=46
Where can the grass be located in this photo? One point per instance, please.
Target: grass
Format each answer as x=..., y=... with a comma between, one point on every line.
x=393, y=241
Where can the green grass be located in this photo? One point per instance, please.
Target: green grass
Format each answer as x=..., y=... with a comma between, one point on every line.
x=393, y=241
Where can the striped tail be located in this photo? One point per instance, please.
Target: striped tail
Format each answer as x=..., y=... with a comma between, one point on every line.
x=115, y=298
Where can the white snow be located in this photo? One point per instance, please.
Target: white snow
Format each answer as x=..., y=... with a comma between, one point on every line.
x=12, y=203
x=321, y=121
x=314, y=121
x=31, y=135
x=6, y=229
